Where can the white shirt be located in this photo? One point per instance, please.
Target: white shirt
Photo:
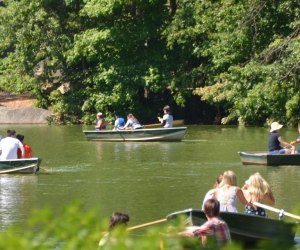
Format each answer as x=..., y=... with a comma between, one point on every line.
x=169, y=121
x=9, y=147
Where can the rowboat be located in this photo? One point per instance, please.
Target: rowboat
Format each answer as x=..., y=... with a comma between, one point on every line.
x=263, y=158
x=142, y=135
x=245, y=228
x=25, y=165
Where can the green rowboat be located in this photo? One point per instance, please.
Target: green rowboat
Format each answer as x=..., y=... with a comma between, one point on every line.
x=135, y=135
x=25, y=165
x=246, y=228
x=263, y=158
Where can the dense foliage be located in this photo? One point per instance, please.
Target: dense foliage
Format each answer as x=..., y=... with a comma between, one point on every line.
x=241, y=58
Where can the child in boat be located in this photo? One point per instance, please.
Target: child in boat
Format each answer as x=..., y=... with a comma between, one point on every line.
x=213, y=227
x=167, y=119
x=119, y=122
x=132, y=122
x=116, y=219
x=27, y=148
x=257, y=189
x=228, y=193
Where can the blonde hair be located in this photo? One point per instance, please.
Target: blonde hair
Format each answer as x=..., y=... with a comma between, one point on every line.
x=257, y=187
x=229, y=178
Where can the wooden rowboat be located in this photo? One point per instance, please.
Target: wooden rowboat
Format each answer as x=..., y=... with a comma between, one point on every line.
x=25, y=165
x=246, y=228
x=142, y=135
x=263, y=158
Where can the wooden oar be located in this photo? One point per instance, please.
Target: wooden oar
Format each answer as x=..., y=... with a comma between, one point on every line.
x=276, y=210
x=152, y=125
x=146, y=224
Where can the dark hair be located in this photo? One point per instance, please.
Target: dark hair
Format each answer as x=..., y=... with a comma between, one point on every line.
x=118, y=218
x=11, y=132
x=20, y=137
x=212, y=208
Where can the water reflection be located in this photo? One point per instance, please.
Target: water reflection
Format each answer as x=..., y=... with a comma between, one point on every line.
x=15, y=198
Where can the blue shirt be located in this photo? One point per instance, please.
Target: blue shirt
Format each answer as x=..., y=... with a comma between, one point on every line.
x=120, y=122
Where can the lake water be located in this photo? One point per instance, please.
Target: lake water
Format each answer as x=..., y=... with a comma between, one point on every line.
x=146, y=180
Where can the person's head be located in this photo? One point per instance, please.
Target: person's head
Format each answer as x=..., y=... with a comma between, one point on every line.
x=166, y=109
x=275, y=126
x=11, y=133
x=99, y=115
x=20, y=137
x=212, y=208
x=218, y=180
x=118, y=218
x=130, y=116
x=229, y=178
x=257, y=186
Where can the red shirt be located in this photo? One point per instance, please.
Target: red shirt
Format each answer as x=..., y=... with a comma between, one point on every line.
x=28, y=151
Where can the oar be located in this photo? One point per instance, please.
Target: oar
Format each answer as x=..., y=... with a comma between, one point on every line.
x=152, y=125
x=281, y=212
x=146, y=224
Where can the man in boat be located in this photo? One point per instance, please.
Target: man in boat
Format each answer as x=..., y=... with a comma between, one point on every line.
x=119, y=122
x=276, y=143
x=214, y=226
x=9, y=146
x=167, y=119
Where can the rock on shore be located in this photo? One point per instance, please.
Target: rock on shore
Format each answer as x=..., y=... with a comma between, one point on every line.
x=25, y=115
x=20, y=109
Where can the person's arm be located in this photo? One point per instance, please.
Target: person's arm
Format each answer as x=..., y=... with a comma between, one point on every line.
x=284, y=143
x=29, y=151
x=295, y=141
x=160, y=119
x=98, y=124
x=22, y=149
x=269, y=198
x=240, y=195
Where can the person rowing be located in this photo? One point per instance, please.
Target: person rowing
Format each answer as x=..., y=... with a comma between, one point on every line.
x=167, y=119
x=276, y=144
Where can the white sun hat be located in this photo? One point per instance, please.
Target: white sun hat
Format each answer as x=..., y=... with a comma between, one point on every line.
x=275, y=126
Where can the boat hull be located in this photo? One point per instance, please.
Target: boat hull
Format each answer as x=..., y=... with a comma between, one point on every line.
x=25, y=165
x=247, y=228
x=154, y=134
x=263, y=158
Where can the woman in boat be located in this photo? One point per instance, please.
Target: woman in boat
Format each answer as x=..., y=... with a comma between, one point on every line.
x=132, y=122
x=214, y=226
x=116, y=219
x=210, y=193
x=101, y=123
x=228, y=193
x=167, y=119
x=276, y=144
x=257, y=189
